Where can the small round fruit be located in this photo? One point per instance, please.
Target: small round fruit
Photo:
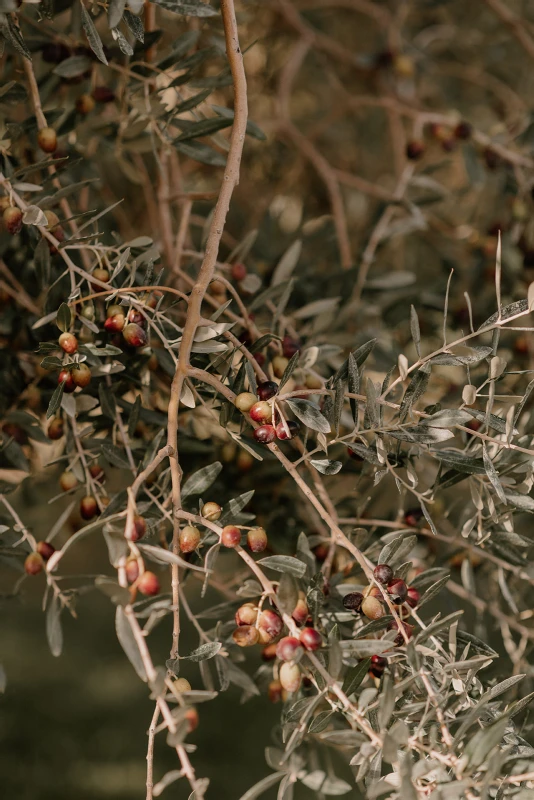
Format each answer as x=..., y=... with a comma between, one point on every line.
x=245, y=401
x=372, y=608
x=301, y=611
x=311, y=639
x=398, y=591
x=134, y=335
x=269, y=626
x=88, y=507
x=65, y=377
x=211, y=511
x=246, y=614
x=85, y=104
x=12, y=220
x=189, y=539
x=148, y=584
x=134, y=315
x=265, y=434
x=269, y=652
x=246, y=636
x=413, y=597
x=267, y=389
x=191, y=715
x=279, y=364
x=132, y=570
x=353, y=601
x=239, y=271
x=257, y=540
x=56, y=429
x=290, y=346
x=275, y=691
x=68, y=343
x=261, y=412
x=230, y=536
x=97, y=473
x=406, y=627
x=182, y=685
x=377, y=666
x=47, y=140
x=415, y=150
x=139, y=528
x=244, y=461
x=101, y=275
x=68, y=480
x=413, y=516
x=33, y=564
x=81, y=375
x=293, y=429
x=383, y=574
x=115, y=323
x=52, y=219
x=290, y=676
x=463, y=130
x=45, y=549
x=288, y=649
x=103, y=94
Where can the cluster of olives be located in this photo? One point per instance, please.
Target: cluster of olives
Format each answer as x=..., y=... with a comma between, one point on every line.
x=261, y=411
x=190, y=536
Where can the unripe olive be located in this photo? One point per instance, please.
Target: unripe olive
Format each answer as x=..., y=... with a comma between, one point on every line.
x=189, y=539
x=148, y=584
x=265, y=434
x=134, y=335
x=288, y=649
x=239, y=272
x=413, y=597
x=261, y=412
x=311, y=639
x=55, y=429
x=211, y=511
x=275, y=691
x=257, y=540
x=45, y=549
x=245, y=401
x=267, y=389
x=132, y=570
x=287, y=431
x=85, y=104
x=398, y=591
x=88, y=507
x=246, y=614
x=269, y=626
x=68, y=480
x=65, y=377
x=100, y=274
x=301, y=611
x=246, y=636
x=139, y=528
x=353, y=601
x=182, y=685
x=33, y=564
x=279, y=364
x=372, y=608
x=52, y=219
x=47, y=140
x=230, y=536
x=313, y=381
x=12, y=220
x=290, y=676
x=81, y=375
x=97, y=473
x=383, y=573
x=68, y=343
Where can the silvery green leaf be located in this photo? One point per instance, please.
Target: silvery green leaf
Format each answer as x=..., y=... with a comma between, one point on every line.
x=54, y=632
x=491, y=420
x=420, y=434
x=416, y=388
x=191, y=8
x=461, y=461
x=519, y=307
x=205, y=651
x=325, y=466
x=522, y=501
x=114, y=455
x=367, y=453
x=55, y=400
x=446, y=417
x=93, y=37
x=262, y=786
x=167, y=779
x=288, y=262
x=365, y=647
x=355, y=676
x=319, y=781
x=235, y=505
x=293, y=363
x=128, y=642
x=309, y=415
x=317, y=307
x=162, y=556
x=484, y=741
x=450, y=360
x=416, y=334
x=491, y=472
x=284, y=564
x=201, y=480
x=115, y=12
x=288, y=593
x=433, y=590
x=374, y=626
